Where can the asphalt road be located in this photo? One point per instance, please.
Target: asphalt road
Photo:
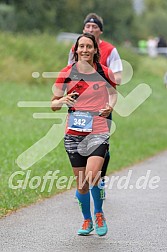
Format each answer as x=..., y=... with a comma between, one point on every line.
x=136, y=217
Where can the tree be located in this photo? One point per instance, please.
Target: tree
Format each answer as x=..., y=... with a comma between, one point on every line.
x=154, y=5
x=68, y=16
x=7, y=18
x=153, y=20
x=34, y=15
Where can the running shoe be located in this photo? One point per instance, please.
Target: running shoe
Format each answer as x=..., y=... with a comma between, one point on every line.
x=87, y=227
x=100, y=224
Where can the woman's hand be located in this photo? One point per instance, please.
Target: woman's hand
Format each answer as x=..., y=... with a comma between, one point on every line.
x=106, y=111
x=67, y=99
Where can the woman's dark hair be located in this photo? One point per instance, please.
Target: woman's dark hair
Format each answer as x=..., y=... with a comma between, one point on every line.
x=92, y=37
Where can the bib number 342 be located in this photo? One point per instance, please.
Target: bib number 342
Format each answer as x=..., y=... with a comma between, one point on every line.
x=80, y=121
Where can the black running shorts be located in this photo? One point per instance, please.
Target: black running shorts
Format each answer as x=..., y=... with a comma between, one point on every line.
x=79, y=148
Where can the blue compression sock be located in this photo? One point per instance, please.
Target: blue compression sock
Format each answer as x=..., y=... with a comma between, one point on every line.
x=84, y=203
x=97, y=198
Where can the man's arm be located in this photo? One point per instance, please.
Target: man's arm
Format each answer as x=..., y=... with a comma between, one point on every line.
x=118, y=77
x=115, y=64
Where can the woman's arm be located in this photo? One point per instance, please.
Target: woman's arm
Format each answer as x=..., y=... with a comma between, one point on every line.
x=112, y=97
x=56, y=103
x=112, y=101
x=59, y=99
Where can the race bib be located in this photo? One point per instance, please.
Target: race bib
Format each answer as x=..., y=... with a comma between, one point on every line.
x=80, y=121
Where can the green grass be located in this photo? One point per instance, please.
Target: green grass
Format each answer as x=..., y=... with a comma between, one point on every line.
x=23, y=55
x=138, y=136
